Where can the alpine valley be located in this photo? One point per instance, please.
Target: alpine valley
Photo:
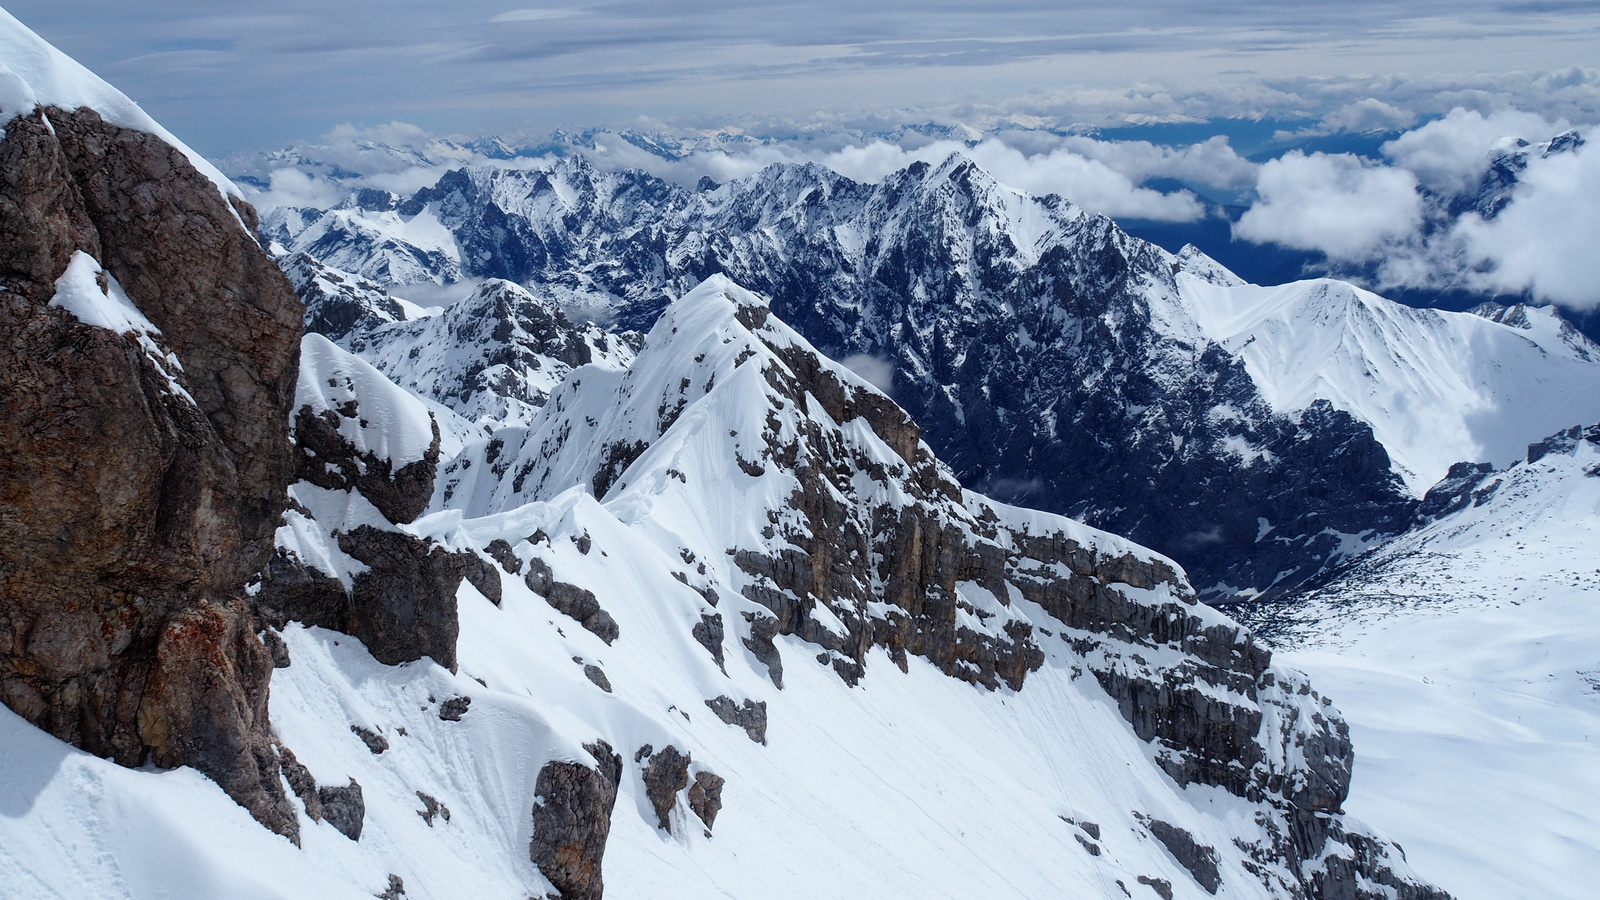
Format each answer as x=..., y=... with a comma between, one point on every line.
x=790, y=537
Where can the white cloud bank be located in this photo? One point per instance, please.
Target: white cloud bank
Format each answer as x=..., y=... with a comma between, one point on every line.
x=1338, y=204
x=1547, y=240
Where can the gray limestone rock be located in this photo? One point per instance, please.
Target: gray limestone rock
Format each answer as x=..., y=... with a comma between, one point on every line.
x=572, y=820
x=344, y=808
x=751, y=715
x=664, y=777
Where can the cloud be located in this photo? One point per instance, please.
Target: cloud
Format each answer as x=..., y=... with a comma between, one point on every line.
x=1088, y=182
x=1451, y=155
x=1336, y=203
x=874, y=370
x=292, y=187
x=1370, y=114
x=227, y=78
x=1544, y=241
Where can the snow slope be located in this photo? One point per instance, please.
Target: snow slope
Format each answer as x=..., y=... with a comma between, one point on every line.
x=1436, y=387
x=1466, y=657
x=34, y=73
x=901, y=781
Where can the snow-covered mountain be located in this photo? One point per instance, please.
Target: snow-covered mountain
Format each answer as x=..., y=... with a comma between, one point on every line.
x=1435, y=387
x=1052, y=359
x=490, y=359
x=1465, y=655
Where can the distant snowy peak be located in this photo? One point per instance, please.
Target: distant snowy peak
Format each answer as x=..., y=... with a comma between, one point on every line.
x=1545, y=325
x=493, y=357
x=1436, y=387
x=339, y=303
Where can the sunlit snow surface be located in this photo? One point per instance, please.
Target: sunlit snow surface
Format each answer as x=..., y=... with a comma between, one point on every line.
x=1466, y=658
x=912, y=784
x=1436, y=387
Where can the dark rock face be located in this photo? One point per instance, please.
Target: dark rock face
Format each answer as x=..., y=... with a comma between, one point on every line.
x=454, y=708
x=344, y=808
x=1200, y=860
x=597, y=675
x=1161, y=886
x=575, y=602
x=664, y=777
x=1563, y=442
x=751, y=716
x=404, y=607
x=375, y=742
x=1044, y=373
x=1458, y=489
x=708, y=633
x=432, y=809
x=483, y=576
x=705, y=797
x=131, y=517
x=324, y=458
x=572, y=819
x=301, y=782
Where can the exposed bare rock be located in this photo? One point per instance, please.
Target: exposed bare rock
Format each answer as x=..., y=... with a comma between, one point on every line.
x=708, y=632
x=301, y=782
x=432, y=809
x=762, y=630
x=276, y=648
x=705, y=797
x=598, y=676
x=1200, y=860
x=326, y=459
x=482, y=575
x=344, y=808
x=404, y=607
x=581, y=604
x=454, y=708
x=1161, y=886
x=504, y=555
x=395, y=890
x=572, y=819
x=667, y=774
x=141, y=475
x=375, y=742
x=751, y=716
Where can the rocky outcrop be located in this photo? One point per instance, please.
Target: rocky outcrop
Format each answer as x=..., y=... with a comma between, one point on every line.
x=572, y=819
x=344, y=808
x=575, y=602
x=751, y=715
x=325, y=458
x=402, y=607
x=1200, y=860
x=142, y=468
x=664, y=777
x=705, y=797
x=360, y=437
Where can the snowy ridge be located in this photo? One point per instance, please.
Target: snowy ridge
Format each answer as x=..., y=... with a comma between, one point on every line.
x=1051, y=357
x=1464, y=654
x=392, y=425
x=1436, y=387
x=37, y=74
x=492, y=358
x=868, y=721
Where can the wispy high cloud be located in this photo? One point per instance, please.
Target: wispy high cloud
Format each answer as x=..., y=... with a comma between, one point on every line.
x=229, y=77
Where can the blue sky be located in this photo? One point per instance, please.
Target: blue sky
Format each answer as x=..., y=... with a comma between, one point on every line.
x=233, y=76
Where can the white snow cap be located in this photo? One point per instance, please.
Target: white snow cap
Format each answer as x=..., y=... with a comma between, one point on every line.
x=35, y=73
x=391, y=423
